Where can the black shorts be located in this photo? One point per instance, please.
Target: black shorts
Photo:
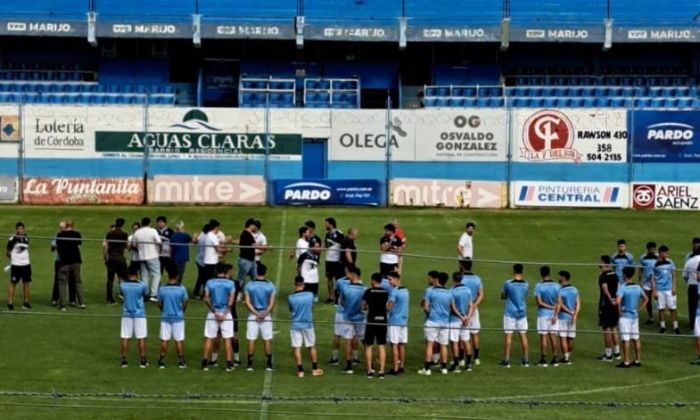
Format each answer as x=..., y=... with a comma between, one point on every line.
x=375, y=334
x=335, y=269
x=385, y=269
x=608, y=317
x=21, y=273
x=311, y=287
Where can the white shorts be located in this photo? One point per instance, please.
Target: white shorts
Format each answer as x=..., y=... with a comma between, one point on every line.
x=545, y=326
x=340, y=327
x=458, y=332
x=629, y=329
x=474, y=323
x=134, y=328
x=437, y=332
x=354, y=329
x=567, y=329
x=511, y=325
x=646, y=287
x=257, y=328
x=697, y=326
x=305, y=337
x=212, y=326
x=174, y=330
x=397, y=334
x=667, y=300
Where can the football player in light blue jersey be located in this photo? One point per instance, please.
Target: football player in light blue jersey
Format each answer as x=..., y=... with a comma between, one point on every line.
x=134, y=323
x=476, y=287
x=647, y=261
x=567, y=313
x=351, y=295
x=301, y=332
x=514, y=294
x=172, y=301
x=260, y=297
x=462, y=310
x=621, y=259
x=219, y=294
x=547, y=297
x=398, y=322
x=432, y=282
x=663, y=285
x=438, y=304
x=630, y=297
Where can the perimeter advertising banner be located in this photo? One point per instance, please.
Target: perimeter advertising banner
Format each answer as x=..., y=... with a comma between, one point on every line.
x=569, y=135
x=666, y=196
x=171, y=133
x=60, y=190
x=206, y=189
x=569, y=194
x=447, y=193
x=444, y=135
x=327, y=191
x=665, y=136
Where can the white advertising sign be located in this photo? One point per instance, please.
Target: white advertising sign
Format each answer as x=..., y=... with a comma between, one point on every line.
x=569, y=194
x=666, y=196
x=447, y=193
x=460, y=135
x=569, y=135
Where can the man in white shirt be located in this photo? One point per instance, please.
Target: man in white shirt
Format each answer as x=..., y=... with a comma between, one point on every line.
x=690, y=275
x=465, y=247
x=260, y=241
x=307, y=267
x=392, y=248
x=302, y=244
x=147, y=241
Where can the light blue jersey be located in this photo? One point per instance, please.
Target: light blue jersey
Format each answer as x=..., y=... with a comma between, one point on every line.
x=260, y=292
x=386, y=286
x=133, y=292
x=462, y=298
x=569, y=295
x=352, y=295
x=301, y=306
x=620, y=261
x=548, y=292
x=220, y=289
x=631, y=296
x=473, y=282
x=647, y=261
x=515, y=292
x=663, y=274
x=339, y=285
x=171, y=298
x=398, y=316
x=440, y=300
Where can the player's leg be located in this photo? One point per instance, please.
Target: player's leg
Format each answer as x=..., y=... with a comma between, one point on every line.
x=649, y=307
x=368, y=358
x=124, y=350
x=382, y=359
x=524, y=346
x=205, y=353
x=229, y=354
x=125, y=334
x=11, y=294
x=661, y=305
x=467, y=346
x=267, y=344
x=315, y=370
x=179, y=337
x=554, y=342
x=79, y=297
x=297, y=359
x=638, y=350
x=266, y=330
x=475, y=347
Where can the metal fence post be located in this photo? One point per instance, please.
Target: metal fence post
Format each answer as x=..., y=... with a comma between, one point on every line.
x=387, y=168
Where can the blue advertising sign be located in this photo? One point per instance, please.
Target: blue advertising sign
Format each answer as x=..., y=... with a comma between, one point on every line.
x=327, y=191
x=665, y=136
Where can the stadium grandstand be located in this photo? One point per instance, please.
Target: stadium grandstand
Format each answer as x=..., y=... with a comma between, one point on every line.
x=351, y=53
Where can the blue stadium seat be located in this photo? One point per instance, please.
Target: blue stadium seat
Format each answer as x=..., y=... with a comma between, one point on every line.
x=563, y=102
x=470, y=102
x=589, y=102
x=695, y=103
x=577, y=102
x=549, y=102
x=617, y=102
x=536, y=102
x=497, y=102
x=685, y=103
x=456, y=102
x=642, y=102
x=442, y=102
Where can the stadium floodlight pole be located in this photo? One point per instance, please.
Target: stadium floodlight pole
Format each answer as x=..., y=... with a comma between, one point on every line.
x=266, y=122
x=20, y=153
x=389, y=127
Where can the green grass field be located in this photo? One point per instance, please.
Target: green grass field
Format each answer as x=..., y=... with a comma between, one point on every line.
x=77, y=353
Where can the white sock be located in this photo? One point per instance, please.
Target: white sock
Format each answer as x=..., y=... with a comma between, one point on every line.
x=566, y=356
x=334, y=354
x=436, y=358
x=617, y=349
x=675, y=325
x=236, y=357
x=662, y=324
x=214, y=357
x=608, y=351
x=355, y=355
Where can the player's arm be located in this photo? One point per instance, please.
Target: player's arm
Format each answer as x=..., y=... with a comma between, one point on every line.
x=470, y=312
x=674, y=290
x=229, y=304
x=606, y=292
x=248, y=304
x=577, y=309
x=185, y=301
x=618, y=303
x=653, y=286
x=644, y=301
x=384, y=246
x=558, y=308
x=479, y=297
x=270, y=305
x=105, y=248
x=10, y=245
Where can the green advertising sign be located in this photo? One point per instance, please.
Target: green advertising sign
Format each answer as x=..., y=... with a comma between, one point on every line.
x=196, y=136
